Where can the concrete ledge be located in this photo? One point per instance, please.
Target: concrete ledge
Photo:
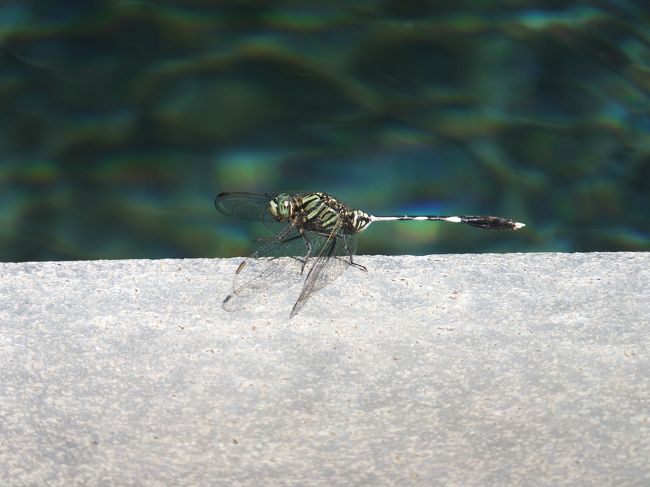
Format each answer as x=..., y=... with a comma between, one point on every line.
x=519, y=369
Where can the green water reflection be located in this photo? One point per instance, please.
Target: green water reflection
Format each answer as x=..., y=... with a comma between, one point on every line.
x=121, y=120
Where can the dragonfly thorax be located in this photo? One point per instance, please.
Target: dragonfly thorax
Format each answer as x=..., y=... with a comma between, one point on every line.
x=317, y=211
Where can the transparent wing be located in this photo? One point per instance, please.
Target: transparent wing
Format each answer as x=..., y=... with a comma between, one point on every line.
x=334, y=253
x=248, y=206
x=270, y=270
x=279, y=264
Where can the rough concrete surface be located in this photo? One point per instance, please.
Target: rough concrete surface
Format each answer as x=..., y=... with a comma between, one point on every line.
x=513, y=369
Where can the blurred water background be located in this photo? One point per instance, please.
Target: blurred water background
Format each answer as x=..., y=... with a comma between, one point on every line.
x=121, y=120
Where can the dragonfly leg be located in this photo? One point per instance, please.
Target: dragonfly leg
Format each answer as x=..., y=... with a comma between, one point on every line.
x=358, y=266
x=353, y=264
x=306, y=257
x=302, y=261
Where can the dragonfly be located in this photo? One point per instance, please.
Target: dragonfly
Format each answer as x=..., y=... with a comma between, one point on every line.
x=317, y=239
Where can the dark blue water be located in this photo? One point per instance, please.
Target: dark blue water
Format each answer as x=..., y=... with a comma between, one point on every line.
x=121, y=120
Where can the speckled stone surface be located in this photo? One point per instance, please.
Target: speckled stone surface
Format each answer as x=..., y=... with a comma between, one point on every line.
x=511, y=369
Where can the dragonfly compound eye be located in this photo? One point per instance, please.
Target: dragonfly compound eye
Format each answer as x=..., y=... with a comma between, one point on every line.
x=273, y=209
x=281, y=207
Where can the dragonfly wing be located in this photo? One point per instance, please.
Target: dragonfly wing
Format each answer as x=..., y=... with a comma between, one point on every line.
x=268, y=270
x=334, y=255
x=248, y=206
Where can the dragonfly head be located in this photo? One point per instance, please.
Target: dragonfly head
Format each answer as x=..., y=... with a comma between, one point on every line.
x=281, y=207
